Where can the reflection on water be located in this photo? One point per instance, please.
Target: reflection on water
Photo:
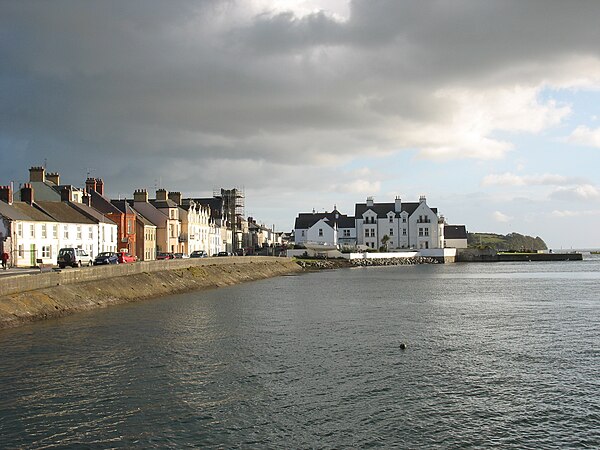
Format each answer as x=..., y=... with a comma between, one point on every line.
x=499, y=355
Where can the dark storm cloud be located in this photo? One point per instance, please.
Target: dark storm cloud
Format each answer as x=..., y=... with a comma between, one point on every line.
x=141, y=90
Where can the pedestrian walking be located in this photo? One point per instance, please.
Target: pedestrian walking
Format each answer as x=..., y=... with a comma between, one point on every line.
x=5, y=258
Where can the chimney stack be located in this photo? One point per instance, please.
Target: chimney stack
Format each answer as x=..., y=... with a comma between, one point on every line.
x=37, y=174
x=87, y=200
x=140, y=195
x=27, y=193
x=6, y=194
x=161, y=194
x=99, y=186
x=398, y=204
x=422, y=199
x=66, y=194
x=369, y=201
x=53, y=178
x=90, y=185
x=176, y=197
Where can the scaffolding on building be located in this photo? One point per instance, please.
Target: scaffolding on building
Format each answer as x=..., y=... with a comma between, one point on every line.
x=233, y=207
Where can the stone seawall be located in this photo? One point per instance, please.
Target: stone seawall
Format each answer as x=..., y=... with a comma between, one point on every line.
x=30, y=298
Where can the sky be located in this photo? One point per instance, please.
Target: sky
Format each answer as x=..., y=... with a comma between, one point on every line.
x=489, y=109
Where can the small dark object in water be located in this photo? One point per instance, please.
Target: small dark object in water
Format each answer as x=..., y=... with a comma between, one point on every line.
x=402, y=346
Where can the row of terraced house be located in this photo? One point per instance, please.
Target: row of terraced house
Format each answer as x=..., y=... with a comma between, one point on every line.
x=43, y=215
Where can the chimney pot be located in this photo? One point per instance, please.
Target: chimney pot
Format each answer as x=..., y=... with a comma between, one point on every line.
x=100, y=186
x=27, y=193
x=161, y=194
x=6, y=194
x=66, y=194
x=37, y=174
x=140, y=195
x=53, y=177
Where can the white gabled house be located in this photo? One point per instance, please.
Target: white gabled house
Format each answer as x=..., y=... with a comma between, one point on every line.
x=327, y=229
x=406, y=224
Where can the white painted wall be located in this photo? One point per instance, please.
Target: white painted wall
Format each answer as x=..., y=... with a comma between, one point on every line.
x=322, y=232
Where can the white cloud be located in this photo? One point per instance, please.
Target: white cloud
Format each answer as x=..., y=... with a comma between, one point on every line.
x=510, y=179
x=584, y=192
x=583, y=135
x=500, y=217
x=364, y=187
x=571, y=213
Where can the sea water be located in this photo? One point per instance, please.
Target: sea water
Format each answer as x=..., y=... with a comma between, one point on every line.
x=497, y=355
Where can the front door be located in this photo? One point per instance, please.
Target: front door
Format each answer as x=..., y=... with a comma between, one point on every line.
x=32, y=256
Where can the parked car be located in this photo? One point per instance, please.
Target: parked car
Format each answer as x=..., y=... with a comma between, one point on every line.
x=106, y=258
x=223, y=254
x=74, y=257
x=126, y=258
x=198, y=254
x=164, y=255
x=180, y=255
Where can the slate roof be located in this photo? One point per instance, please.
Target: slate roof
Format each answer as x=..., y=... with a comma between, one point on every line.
x=382, y=209
x=63, y=212
x=42, y=191
x=102, y=204
x=23, y=211
x=141, y=217
x=122, y=206
x=455, y=232
x=307, y=220
x=162, y=204
x=215, y=205
x=90, y=213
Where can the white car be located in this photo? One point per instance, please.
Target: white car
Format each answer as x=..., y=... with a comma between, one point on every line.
x=74, y=257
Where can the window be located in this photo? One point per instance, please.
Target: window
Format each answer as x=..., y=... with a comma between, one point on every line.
x=346, y=233
x=21, y=251
x=55, y=231
x=391, y=219
x=426, y=231
x=46, y=251
x=366, y=232
x=32, y=230
x=20, y=230
x=404, y=220
x=403, y=231
x=65, y=231
x=129, y=227
x=373, y=232
x=320, y=232
x=44, y=232
x=90, y=233
x=302, y=233
x=391, y=231
x=79, y=232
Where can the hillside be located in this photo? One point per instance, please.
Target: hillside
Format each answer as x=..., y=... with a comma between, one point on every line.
x=511, y=241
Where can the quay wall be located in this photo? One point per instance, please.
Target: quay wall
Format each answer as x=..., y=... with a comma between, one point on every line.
x=489, y=255
x=28, y=298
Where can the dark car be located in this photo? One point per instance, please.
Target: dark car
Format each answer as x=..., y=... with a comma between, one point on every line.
x=164, y=255
x=223, y=254
x=198, y=254
x=106, y=258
